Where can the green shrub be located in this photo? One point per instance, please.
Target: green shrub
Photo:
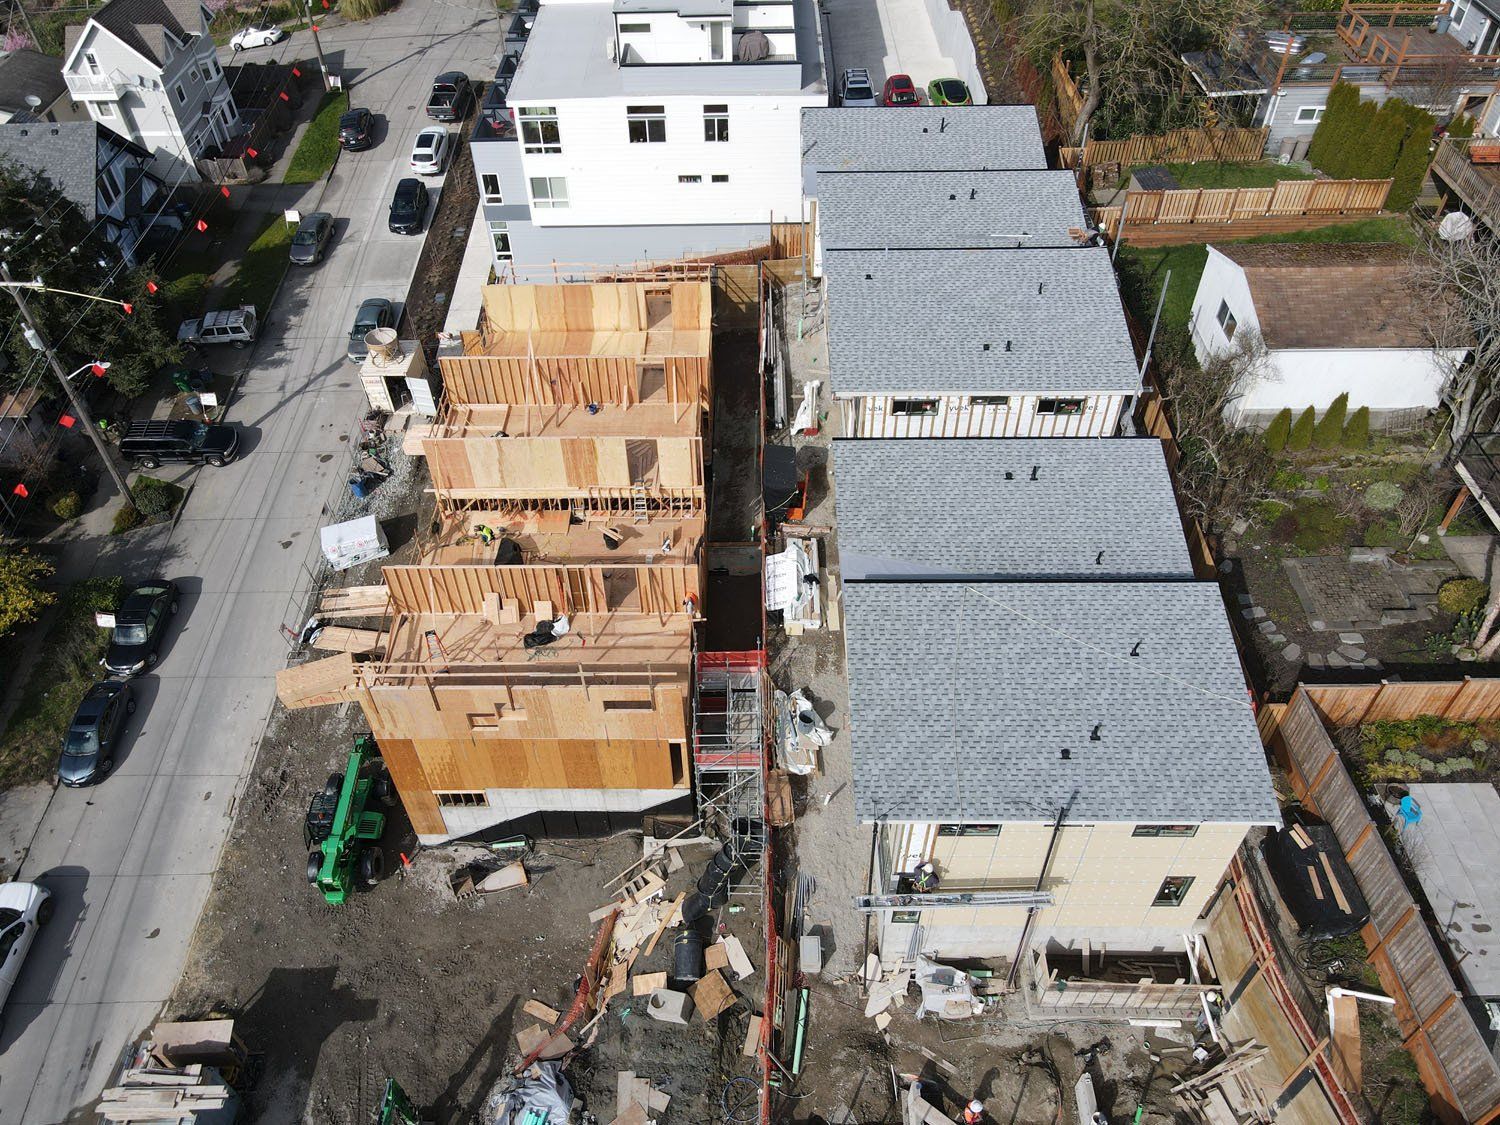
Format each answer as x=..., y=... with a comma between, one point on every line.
x=1302, y=431
x=1410, y=170
x=1329, y=431
x=67, y=506
x=1462, y=595
x=155, y=497
x=1328, y=138
x=1279, y=430
x=125, y=519
x=1379, y=147
x=1461, y=126
x=1357, y=429
x=1383, y=496
x=362, y=9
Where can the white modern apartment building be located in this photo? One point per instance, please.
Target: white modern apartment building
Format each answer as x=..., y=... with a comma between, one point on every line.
x=147, y=69
x=639, y=130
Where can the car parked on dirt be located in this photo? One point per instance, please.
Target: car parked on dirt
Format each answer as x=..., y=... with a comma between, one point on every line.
x=221, y=326
x=24, y=909
x=452, y=95
x=374, y=312
x=856, y=89
x=88, y=749
x=900, y=90
x=408, y=207
x=311, y=240
x=948, y=91
x=147, y=444
x=357, y=130
x=140, y=624
x=429, y=152
x=257, y=36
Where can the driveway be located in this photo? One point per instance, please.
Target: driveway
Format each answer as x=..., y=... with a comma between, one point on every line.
x=922, y=38
x=131, y=861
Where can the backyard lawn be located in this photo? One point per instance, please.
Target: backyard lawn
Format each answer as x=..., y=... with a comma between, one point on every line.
x=319, y=146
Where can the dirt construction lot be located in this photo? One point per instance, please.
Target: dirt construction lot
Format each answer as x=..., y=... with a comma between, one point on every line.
x=405, y=981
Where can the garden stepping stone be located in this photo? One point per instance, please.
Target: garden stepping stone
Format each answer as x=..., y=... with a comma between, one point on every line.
x=1254, y=613
x=1275, y=640
x=1292, y=652
x=1351, y=639
x=1316, y=660
x=1353, y=652
x=1245, y=599
x=1268, y=626
x=1337, y=661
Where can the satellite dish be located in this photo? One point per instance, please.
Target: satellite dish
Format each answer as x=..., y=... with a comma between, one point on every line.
x=33, y=101
x=1455, y=227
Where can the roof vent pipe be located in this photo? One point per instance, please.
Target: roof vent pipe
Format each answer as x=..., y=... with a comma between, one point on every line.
x=973, y=194
x=1135, y=649
x=1094, y=735
x=1067, y=755
x=1099, y=559
x=1034, y=470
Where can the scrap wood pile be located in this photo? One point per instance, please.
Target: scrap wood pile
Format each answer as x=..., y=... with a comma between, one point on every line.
x=1227, y=1094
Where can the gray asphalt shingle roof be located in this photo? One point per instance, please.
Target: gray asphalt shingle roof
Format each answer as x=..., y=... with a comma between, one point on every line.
x=926, y=138
x=943, y=508
x=24, y=73
x=976, y=322
x=65, y=153
x=963, y=695
x=141, y=23
x=873, y=210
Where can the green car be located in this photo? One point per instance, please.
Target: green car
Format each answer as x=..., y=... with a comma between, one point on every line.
x=948, y=91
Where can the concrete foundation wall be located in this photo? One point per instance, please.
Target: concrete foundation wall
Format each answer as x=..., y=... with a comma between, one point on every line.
x=513, y=804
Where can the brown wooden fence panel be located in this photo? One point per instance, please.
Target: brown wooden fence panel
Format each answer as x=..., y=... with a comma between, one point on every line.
x=1457, y=1043
x=1380, y=879
x=1340, y=803
x=1416, y=960
x=1182, y=146
x=1069, y=97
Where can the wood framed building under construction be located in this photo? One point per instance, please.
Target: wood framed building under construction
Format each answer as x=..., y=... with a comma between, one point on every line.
x=536, y=661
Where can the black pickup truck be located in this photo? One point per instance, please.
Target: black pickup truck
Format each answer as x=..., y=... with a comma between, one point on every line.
x=452, y=95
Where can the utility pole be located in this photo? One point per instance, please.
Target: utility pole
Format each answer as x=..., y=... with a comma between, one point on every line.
x=39, y=341
x=318, y=47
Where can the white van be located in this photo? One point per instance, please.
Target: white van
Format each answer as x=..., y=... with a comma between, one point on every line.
x=222, y=326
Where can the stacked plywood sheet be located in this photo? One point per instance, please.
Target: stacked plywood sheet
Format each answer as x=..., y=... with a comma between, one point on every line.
x=182, y=1095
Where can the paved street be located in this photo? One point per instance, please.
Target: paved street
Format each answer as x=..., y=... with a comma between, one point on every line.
x=131, y=861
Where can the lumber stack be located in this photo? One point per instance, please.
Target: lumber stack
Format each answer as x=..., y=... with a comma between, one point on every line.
x=355, y=601
x=1227, y=1094
x=155, y=1094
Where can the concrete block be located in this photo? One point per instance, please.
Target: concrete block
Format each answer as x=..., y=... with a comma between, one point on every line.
x=810, y=953
x=670, y=1006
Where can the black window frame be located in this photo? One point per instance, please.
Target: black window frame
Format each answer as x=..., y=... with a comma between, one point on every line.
x=902, y=407
x=989, y=400
x=960, y=831
x=906, y=917
x=1174, y=890
x=1228, y=322
x=646, y=124
x=716, y=124
x=1060, y=407
x=1165, y=831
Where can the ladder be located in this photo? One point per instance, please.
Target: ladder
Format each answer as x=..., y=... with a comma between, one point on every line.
x=640, y=512
x=435, y=650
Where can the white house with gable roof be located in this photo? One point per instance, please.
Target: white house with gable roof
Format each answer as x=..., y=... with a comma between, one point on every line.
x=147, y=69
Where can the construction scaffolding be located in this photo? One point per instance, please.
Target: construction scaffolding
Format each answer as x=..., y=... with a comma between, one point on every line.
x=731, y=702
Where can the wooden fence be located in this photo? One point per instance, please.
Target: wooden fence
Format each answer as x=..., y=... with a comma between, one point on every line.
x=1313, y=200
x=1181, y=146
x=1069, y=96
x=1461, y=1076
x=1345, y=705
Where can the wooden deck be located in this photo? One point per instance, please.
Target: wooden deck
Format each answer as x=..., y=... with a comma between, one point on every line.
x=1478, y=185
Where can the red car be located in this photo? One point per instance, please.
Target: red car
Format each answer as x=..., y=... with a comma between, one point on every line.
x=899, y=90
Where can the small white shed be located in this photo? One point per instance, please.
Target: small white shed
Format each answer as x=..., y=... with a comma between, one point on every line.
x=1334, y=318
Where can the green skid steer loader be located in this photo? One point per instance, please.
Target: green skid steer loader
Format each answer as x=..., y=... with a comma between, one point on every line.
x=341, y=832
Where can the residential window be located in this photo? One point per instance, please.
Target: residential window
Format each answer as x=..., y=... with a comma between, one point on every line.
x=1173, y=890
x=1064, y=406
x=91, y=61
x=716, y=123
x=635, y=29
x=463, y=799
x=180, y=92
x=549, y=191
x=968, y=830
x=914, y=407
x=500, y=237
x=720, y=178
x=106, y=110
x=689, y=179
x=1226, y=320
x=226, y=116
x=490, y=184
x=539, y=131
x=1460, y=12
x=109, y=187
x=1309, y=114
x=1175, y=830
x=905, y=917
x=989, y=400
x=646, y=124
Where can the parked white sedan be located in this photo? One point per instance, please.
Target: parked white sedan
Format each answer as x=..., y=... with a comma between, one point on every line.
x=429, y=155
x=252, y=36
x=24, y=908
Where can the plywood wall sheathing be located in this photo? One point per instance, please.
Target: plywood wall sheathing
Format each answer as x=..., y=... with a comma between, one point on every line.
x=660, y=588
x=518, y=467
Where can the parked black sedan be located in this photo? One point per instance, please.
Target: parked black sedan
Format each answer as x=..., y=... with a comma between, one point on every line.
x=408, y=206
x=140, y=623
x=357, y=130
x=88, y=750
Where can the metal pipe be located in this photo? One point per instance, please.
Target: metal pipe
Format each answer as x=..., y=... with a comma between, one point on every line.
x=1015, y=965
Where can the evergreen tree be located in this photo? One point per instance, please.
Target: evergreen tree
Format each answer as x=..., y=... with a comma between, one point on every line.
x=1302, y=431
x=1329, y=431
x=1357, y=429
x=1279, y=430
x=1377, y=152
x=1342, y=100
x=1461, y=126
x=1411, y=165
x=1344, y=163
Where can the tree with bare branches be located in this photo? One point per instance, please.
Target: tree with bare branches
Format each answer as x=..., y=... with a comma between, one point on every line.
x=1455, y=289
x=1132, y=54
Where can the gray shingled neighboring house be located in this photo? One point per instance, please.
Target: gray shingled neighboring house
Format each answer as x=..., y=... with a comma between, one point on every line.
x=32, y=88
x=1018, y=509
x=978, y=343
x=980, y=711
x=962, y=210
x=109, y=179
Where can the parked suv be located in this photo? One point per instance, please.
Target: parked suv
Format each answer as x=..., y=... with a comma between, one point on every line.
x=855, y=88
x=408, y=207
x=149, y=444
x=357, y=130
x=222, y=326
